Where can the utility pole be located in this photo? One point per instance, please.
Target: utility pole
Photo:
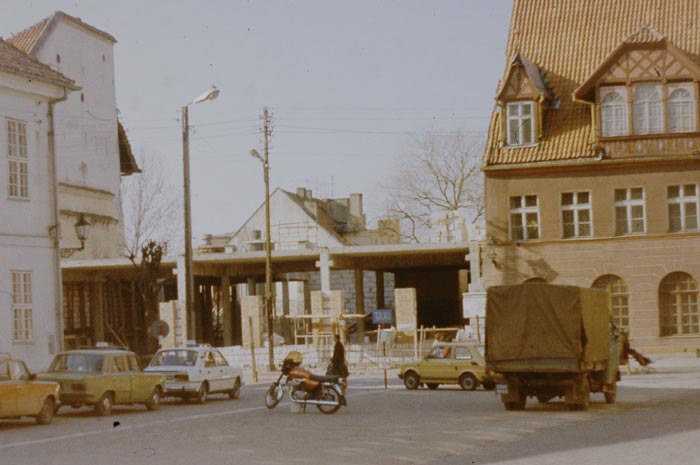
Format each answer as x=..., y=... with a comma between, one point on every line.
x=268, y=244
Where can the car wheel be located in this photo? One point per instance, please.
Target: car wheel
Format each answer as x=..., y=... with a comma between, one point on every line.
x=411, y=380
x=202, y=394
x=468, y=382
x=154, y=402
x=432, y=386
x=235, y=392
x=47, y=411
x=103, y=407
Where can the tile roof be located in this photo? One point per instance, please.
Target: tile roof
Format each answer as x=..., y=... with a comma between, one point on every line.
x=568, y=40
x=127, y=161
x=27, y=39
x=16, y=61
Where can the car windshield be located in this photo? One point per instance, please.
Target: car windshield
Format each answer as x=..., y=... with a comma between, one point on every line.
x=176, y=357
x=77, y=362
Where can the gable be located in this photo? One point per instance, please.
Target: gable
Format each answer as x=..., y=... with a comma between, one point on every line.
x=646, y=65
x=524, y=81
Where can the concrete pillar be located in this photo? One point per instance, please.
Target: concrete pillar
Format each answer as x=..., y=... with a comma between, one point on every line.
x=226, y=307
x=98, y=320
x=325, y=264
x=360, y=302
x=380, y=289
x=252, y=307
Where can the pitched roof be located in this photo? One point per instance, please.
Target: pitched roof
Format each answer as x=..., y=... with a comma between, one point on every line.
x=127, y=162
x=28, y=39
x=569, y=40
x=15, y=61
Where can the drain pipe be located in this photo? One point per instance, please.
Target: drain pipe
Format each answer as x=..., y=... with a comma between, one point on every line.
x=56, y=217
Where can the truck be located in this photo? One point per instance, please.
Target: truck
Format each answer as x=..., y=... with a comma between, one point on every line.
x=546, y=341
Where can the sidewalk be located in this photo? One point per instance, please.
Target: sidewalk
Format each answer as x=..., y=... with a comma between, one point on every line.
x=670, y=372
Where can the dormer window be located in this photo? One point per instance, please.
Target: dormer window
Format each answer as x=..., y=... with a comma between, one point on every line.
x=681, y=108
x=521, y=126
x=647, y=109
x=613, y=110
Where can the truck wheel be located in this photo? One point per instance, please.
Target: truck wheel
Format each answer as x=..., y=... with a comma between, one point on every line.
x=411, y=380
x=611, y=395
x=468, y=382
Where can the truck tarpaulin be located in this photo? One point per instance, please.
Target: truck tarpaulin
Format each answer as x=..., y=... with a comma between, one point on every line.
x=543, y=321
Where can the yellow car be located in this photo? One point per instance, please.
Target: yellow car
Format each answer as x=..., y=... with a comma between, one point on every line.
x=449, y=363
x=21, y=396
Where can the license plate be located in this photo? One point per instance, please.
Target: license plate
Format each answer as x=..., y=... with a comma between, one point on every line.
x=501, y=389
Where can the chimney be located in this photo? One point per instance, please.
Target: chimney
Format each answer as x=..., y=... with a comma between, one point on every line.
x=357, y=217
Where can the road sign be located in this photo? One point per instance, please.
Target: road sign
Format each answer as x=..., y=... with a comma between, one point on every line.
x=382, y=316
x=159, y=328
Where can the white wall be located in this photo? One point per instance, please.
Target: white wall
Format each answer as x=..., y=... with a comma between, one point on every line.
x=86, y=138
x=25, y=240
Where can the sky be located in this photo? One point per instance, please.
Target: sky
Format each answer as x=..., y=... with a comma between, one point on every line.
x=348, y=84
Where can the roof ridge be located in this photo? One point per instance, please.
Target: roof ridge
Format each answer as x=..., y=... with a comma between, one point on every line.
x=639, y=35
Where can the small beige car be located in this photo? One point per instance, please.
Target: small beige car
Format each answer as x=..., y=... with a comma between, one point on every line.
x=459, y=363
x=21, y=396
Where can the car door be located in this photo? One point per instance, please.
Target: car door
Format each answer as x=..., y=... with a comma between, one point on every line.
x=436, y=364
x=120, y=378
x=464, y=361
x=141, y=383
x=28, y=403
x=223, y=372
x=8, y=391
x=209, y=370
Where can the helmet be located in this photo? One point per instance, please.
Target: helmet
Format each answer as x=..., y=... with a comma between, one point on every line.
x=294, y=357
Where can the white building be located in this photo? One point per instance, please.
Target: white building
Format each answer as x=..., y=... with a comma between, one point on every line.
x=30, y=310
x=91, y=145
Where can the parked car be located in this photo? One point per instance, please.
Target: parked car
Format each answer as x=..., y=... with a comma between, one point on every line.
x=195, y=372
x=103, y=377
x=449, y=363
x=21, y=396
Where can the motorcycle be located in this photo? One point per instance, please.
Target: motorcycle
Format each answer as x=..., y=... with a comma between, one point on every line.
x=327, y=393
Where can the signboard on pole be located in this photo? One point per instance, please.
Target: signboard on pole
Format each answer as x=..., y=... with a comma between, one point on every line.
x=382, y=316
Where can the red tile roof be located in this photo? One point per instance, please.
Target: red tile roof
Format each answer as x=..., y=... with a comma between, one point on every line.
x=16, y=61
x=27, y=39
x=568, y=40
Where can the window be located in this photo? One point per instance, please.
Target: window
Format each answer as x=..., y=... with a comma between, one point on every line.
x=678, y=298
x=681, y=109
x=613, y=110
x=524, y=218
x=629, y=211
x=576, y=214
x=520, y=120
x=646, y=110
x=462, y=353
x=683, y=207
x=17, y=158
x=22, y=306
x=619, y=299
x=220, y=360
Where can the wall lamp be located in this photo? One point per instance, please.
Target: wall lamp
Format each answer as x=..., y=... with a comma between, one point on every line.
x=82, y=227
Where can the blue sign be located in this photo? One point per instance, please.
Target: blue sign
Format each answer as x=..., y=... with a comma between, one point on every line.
x=382, y=316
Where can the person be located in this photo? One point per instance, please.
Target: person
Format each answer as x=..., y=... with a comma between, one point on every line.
x=338, y=365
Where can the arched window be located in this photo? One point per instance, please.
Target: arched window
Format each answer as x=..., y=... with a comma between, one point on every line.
x=678, y=302
x=613, y=111
x=681, y=111
x=647, y=110
x=619, y=299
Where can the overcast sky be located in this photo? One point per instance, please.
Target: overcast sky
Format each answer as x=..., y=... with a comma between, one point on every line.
x=347, y=83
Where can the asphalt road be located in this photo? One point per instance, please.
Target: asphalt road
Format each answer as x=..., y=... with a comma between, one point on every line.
x=655, y=421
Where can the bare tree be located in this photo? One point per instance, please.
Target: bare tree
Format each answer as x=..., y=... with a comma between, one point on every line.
x=436, y=173
x=151, y=205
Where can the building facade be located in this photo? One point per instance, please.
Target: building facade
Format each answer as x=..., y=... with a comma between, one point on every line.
x=30, y=311
x=592, y=167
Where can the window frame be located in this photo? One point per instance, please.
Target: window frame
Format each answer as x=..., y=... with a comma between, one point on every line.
x=643, y=109
x=17, y=159
x=620, y=91
x=629, y=204
x=576, y=208
x=22, y=308
x=619, y=298
x=673, y=299
x=688, y=87
x=511, y=117
x=523, y=210
x=682, y=200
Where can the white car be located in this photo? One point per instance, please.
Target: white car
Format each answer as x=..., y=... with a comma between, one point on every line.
x=195, y=372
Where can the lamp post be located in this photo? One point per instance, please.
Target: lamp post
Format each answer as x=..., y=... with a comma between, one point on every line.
x=268, y=259
x=189, y=276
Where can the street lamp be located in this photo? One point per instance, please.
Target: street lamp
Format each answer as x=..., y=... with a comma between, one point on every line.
x=268, y=258
x=82, y=228
x=189, y=276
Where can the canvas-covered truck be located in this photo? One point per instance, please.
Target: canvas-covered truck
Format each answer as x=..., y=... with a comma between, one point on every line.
x=550, y=341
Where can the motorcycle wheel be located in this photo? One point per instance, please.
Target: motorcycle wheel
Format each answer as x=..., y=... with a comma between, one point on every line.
x=273, y=396
x=329, y=395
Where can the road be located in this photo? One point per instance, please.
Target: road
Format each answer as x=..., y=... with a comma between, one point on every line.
x=655, y=421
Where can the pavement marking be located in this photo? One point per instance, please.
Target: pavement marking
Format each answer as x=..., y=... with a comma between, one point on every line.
x=169, y=421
